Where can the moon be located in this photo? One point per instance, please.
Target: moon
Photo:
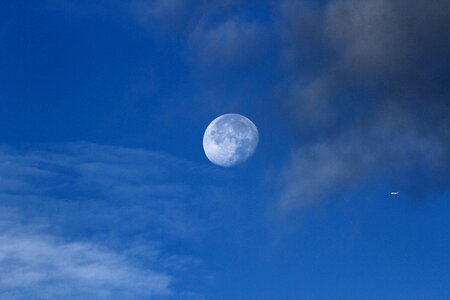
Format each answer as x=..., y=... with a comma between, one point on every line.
x=230, y=140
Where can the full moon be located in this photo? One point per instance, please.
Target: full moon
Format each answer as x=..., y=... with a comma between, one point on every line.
x=230, y=140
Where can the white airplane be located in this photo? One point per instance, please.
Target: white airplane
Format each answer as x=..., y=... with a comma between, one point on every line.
x=394, y=193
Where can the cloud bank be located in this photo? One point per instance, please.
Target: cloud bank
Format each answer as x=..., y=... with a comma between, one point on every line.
x=367, y=96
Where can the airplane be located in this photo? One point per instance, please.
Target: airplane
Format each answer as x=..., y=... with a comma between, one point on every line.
x=394, y=193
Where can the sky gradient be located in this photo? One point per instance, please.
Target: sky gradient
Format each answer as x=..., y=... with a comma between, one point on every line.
x=106, y=193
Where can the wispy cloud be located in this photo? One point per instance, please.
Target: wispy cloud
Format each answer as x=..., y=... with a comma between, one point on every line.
x=39, y=265
x=385, y=148
x=92, y=221
x=177, y=14
x=231, y=42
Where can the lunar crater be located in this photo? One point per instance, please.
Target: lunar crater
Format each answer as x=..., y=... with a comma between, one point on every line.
x=230, y=140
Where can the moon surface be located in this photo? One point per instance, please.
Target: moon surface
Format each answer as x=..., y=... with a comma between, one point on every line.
x=230, y=140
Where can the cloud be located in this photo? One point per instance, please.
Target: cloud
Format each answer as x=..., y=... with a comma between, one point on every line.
x=366, y=94
x=216, y=33
x=385, y=148
x=171, y=14
x=177, y=15
x=92, y=221
x=108, y=179
x=39, y=265
x=229, y=43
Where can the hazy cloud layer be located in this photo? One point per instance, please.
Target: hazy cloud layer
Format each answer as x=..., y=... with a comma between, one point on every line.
x=367, y=94
x=91, y=221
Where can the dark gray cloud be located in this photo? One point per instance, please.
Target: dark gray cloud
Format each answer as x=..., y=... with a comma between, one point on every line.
x=367, y=92
x=384, y=148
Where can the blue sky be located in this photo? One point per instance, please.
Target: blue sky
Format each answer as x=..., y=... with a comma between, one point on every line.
x=106, y=193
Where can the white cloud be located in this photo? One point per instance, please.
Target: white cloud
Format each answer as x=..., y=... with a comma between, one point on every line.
x=108, y=212
x=35, y=264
